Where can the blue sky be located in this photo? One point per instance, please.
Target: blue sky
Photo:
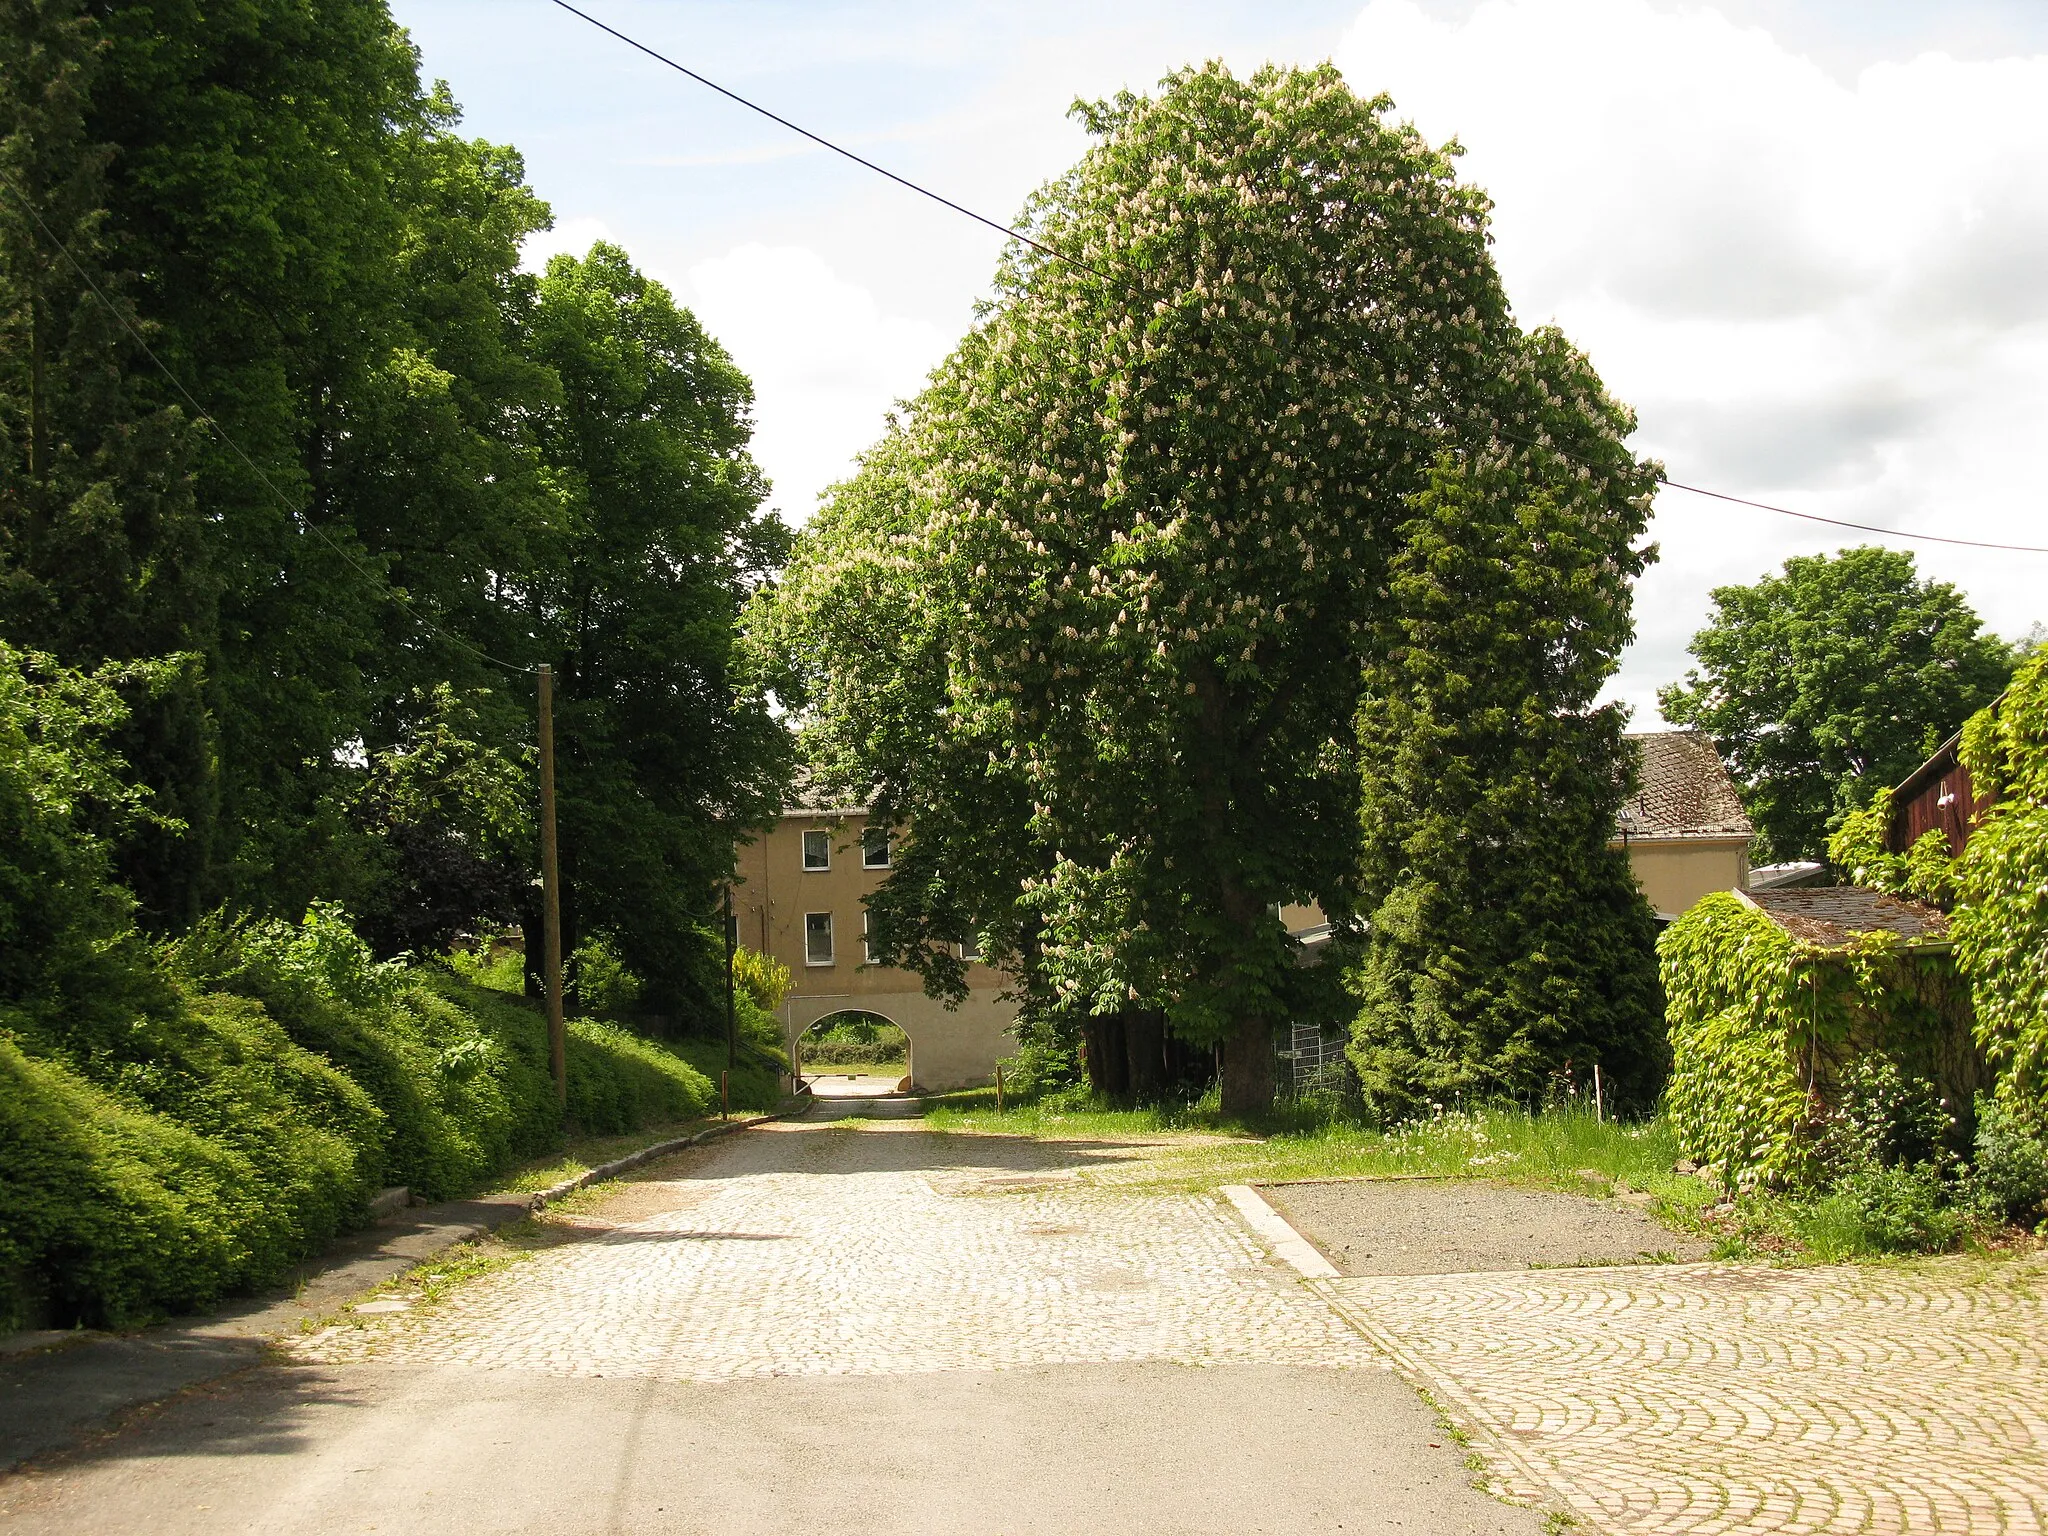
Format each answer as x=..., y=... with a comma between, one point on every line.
x=1806, y=239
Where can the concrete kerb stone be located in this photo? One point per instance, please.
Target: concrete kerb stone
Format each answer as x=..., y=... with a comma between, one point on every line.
x=1287, y=1244
x=660, y=1149
x=55, y=1386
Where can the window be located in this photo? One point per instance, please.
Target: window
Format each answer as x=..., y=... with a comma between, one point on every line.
x=970, y=948
x=817, y=850
x=874, y=848
x=817, y=938
x=867, y=945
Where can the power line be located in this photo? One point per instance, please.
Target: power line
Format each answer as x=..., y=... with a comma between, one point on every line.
x=902, y=181
x=1815, y=517
x=837, y=149
x=206, y=419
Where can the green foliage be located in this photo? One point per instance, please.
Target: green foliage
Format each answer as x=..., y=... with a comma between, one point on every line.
x=484, y=966
x=1092, y=618
x=764, y=979
x=445, y=822
x=855, y=1040
x=2001, y=917
x=2008, y=1175
x=604, y=987
x=65, y=794
x=655, y=544
x=471, y=460
x=1897, y=1209
x=1784, y=1056
x=281, y=1077
x=1841, y=671
x=1506, y=941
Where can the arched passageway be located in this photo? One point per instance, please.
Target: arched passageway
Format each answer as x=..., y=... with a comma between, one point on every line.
x=853, y=1050
x=948, y=1047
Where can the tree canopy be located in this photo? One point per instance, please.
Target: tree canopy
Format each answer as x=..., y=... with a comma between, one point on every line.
x=1096, y=616
x=425, y=472
x=1839, y=669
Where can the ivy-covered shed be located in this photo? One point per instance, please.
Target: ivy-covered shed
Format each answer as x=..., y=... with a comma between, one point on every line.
x=1780, y=1003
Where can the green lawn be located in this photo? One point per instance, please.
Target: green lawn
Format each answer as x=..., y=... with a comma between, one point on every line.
x=1555, y=1148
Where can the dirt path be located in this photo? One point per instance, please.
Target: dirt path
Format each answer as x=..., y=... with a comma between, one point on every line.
x=819, y=1326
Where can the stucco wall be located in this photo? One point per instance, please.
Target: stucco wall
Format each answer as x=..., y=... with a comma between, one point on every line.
x=1676, y=873
x=948, y=1049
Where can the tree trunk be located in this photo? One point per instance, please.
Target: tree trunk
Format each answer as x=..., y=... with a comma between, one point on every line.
x=1247, y=1079
x=1102, y=1043
x=1145, y=1053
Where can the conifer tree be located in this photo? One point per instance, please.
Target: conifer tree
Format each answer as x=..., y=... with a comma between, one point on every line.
x=1506, y=942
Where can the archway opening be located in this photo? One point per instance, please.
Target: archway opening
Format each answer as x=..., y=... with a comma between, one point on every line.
x=853, y=1051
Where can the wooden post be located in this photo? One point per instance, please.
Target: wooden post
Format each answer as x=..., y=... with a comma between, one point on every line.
x=551, y=893
x=732, y=1034
x=724, y=1095
x=999, y=1087
x=1599, y=1109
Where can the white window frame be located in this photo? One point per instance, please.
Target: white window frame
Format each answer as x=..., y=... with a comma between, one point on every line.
x=831, y=943
x=970, y=950
x=826, y=836
x=867, y=943
x=867, y=858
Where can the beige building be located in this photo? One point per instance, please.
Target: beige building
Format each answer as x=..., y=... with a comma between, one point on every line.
x=1685, y=831
x=801, y=898
x=802, y=891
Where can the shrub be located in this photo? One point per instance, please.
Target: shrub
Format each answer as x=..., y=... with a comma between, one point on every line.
x=605, y=988
x=2008, y=1177
x=762, y=978
x=1902, y=1209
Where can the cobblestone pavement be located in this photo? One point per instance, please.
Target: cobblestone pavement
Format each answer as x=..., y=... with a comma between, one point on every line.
x=828, y=1250
x=1704, y=1399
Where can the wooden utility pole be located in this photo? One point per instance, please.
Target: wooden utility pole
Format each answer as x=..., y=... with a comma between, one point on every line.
x=732, y=1033
x=551, y=892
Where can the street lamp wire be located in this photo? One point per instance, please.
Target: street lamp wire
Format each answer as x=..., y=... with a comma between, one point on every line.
x=837, y=149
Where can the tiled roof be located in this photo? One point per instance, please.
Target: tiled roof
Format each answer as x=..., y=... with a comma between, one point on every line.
x=1831, y=914
x=1685, y=790
x=808, y=798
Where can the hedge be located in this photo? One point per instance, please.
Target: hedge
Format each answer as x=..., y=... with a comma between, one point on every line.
x=235, y=1141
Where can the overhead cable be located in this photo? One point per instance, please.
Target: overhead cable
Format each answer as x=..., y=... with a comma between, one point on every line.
x=837, y=149
x=1014, y=234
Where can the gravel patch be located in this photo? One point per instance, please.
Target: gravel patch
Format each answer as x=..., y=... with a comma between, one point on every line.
x=1449, y=1227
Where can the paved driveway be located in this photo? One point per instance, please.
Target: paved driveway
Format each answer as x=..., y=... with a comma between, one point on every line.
x=1698, y=1399
x=822, y=1327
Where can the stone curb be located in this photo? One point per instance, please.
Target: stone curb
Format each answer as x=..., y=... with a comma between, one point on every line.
x=1288, y=1244
x=56, y=1386
x=660, y=1149
x=1528, y=1481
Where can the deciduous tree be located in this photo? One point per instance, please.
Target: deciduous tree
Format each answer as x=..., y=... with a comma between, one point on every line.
x=1839, y=668
x=1142, y=526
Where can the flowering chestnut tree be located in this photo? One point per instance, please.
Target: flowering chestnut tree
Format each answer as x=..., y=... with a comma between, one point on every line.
x=1138, y=536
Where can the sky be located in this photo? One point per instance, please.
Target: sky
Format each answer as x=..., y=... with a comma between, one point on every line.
x=1806, y=240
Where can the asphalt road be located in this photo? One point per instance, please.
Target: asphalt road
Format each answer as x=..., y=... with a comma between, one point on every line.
x=815, y=1328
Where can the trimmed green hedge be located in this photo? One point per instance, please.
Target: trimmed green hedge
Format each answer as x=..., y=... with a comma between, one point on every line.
x=245, y=1128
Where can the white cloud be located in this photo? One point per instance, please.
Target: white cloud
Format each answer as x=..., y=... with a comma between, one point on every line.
x=825, y=360
x=1823, y=294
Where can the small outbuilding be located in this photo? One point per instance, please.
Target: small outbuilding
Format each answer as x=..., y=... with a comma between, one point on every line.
x=1684, y=829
